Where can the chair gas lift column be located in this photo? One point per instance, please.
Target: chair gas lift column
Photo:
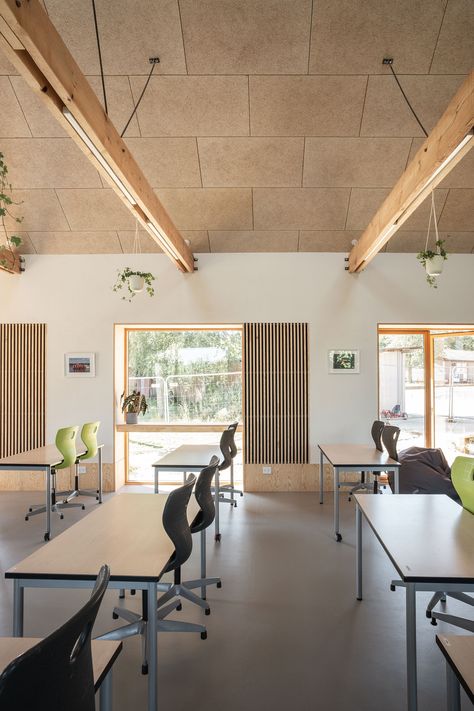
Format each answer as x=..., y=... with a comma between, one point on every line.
x=376, y=432
x=66, y=444
x=229, y=451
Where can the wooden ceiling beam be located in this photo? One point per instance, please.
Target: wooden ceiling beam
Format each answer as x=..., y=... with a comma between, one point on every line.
x=33, y=45
x=446, y=145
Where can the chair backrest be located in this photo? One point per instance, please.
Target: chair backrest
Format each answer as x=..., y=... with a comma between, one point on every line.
x=376, y=432
x=228, y=446
x=175, y=523
x=390, y=435
x=56, y=673
x=462, y=476
x=203, y=494
x=89, y=437
x=66, y=443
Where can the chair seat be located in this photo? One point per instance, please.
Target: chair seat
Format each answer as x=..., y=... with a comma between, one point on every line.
x=104, y=654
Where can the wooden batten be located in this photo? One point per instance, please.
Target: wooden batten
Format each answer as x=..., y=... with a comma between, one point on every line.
x=276, y=393
x=422, y=175
x=33, y=45
x=22, y=387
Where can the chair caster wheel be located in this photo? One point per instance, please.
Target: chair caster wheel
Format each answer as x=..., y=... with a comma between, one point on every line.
x=30, y=510
x=428, y=614
x=61, y=517
x=115, y=616
x=179, y=607
x=434, y=622
x=133, y=592
x=217, y=537
x=241, y=495
x=392, y=588
x=338, y=537
x=207, y=611
x=144, y=669
x=46, y=536
x=349, y=499
x=83, y=507
x=235, y=505
x=27, y=518
x=122, y=595
x=219, y=585
x=97, y=498
x=203, y=635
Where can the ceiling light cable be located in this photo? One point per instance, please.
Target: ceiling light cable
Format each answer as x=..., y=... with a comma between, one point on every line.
x=100, y=57
x=154, y=61
x=389, y=62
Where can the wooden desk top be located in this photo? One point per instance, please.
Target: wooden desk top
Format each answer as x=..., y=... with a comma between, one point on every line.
x=40, y=457
x=428, y=537
x=189, y=455
x=104, y=654
x=126, y=533
x=356, y=455
x=459, y=653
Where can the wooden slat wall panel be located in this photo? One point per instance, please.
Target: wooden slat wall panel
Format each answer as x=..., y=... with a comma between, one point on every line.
x=22, y=387
x=276, y=393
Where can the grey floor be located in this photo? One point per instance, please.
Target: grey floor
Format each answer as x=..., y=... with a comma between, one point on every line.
x=285, y=630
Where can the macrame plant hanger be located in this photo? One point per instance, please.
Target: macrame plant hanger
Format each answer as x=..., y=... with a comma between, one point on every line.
x=435, y=220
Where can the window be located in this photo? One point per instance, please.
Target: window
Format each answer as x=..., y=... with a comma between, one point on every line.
x=426, y=386
x=191, y=377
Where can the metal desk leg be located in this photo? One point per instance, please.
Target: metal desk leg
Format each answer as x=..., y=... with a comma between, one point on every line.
x=396, y=477
x=358, y=552
x=412, y=703
x=336, y=505
x=217, y=535
x=105, y=693
x=453, y=690
x=152, y=648
x=155, y=471
x=18, y=606
x=321, y=477
x=100, y=476
x=47, y=534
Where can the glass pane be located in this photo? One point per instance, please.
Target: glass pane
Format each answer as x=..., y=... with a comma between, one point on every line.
x=454, y=394
x=187, y=376
x=402, y=386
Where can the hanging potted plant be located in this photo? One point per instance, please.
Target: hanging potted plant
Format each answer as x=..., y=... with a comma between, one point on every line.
x=134, y=282
x=133, y=405
x=433, y=261
x=7, y=253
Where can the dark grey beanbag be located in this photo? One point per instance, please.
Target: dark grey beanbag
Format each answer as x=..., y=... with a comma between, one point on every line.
x=424, y=471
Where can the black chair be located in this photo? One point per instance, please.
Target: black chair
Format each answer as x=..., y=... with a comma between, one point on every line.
x=229, y=451
x=56, y=673
x=376, y=432
x=390, y=435
x=175, y=523
x=201, y=523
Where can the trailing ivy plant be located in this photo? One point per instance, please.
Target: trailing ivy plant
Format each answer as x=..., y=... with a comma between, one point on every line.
x=427, y=254
x=5, y=203
x=124, y=283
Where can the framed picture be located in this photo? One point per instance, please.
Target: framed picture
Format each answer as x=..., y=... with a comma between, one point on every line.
x=79, y=365
x=346, y=361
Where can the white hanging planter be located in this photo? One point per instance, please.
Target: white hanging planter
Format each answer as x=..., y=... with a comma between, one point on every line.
x=136, y=283
x=434, y=266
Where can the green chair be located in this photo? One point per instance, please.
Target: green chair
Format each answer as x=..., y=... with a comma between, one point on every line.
x=66, y=444
x=89, y=438
x=462, y=476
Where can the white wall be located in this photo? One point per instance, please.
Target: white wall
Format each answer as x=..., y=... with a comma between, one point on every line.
x=73, y=295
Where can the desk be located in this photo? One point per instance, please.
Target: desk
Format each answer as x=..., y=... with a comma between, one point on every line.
x=459, y=654
x=352, y=458
x=104, y=655
x=44, y=459
x=127, y=534
x=429, y=539
x=190, y=458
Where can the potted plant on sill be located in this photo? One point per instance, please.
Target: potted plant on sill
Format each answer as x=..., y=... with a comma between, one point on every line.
x=134, y=282
x=133, y=405
x=7, y=254
x=433, y=262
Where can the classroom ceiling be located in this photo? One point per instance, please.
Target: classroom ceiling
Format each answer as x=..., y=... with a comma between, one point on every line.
x=268, y=126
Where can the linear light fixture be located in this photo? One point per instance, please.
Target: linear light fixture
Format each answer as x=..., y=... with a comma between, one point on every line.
x=382, y=238
x=164, y=244
x=450, y=158
x=97, y=154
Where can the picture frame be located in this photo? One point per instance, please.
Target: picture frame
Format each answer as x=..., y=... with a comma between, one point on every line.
x=79, y=365
x=346, y=361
